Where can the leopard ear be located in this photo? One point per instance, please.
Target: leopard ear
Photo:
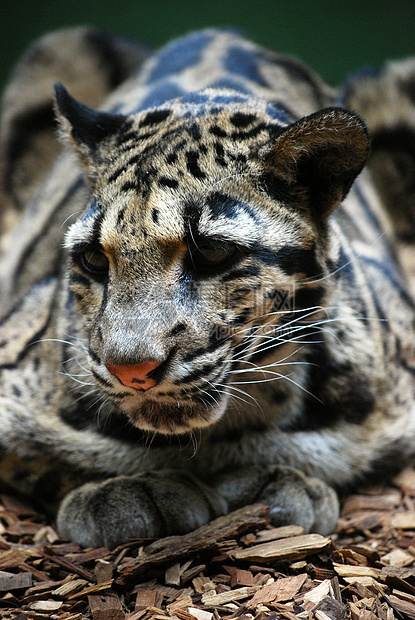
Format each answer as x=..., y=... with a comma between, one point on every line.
x=85, y=128
x=314, y=162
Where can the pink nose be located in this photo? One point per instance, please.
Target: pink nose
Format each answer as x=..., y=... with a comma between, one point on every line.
x=135, y=375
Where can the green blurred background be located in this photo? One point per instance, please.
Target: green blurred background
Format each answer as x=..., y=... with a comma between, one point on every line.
x=335, y=38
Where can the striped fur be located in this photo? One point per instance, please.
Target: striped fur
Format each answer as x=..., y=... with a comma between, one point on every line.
x=214, y=217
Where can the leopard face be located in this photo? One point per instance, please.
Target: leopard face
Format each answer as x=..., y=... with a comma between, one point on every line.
x=180, y=262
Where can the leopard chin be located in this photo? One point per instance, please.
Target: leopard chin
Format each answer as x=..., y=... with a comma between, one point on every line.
x=175, y=417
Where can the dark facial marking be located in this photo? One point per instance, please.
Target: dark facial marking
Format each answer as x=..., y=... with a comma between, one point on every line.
x=166, y=182
x=222, y=205
x=193, y=165
x=244, y=272
x=178, y=329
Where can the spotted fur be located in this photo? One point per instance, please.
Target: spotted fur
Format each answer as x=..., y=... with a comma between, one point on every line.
x=214, y=222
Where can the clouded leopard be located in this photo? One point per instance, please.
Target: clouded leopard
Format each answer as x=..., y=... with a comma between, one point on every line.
x=202, y=304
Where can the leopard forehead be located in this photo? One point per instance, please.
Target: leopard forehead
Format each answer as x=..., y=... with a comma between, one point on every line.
x=170, y=165
x=154, y=142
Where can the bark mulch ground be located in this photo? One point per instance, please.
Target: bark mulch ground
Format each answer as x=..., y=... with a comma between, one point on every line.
x=235, y=567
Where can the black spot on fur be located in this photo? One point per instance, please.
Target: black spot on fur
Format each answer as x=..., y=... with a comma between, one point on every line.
x=220, y=154
x=127, y=141
x=194, y=132
x=166, y=182
x=279, y=397
x=178, y=329
x=218, y=336
x=154, y=117
x=192, y=158
x=246, y=135
x=171, y=158
x=155, y=216
x=241, y=119
x=16, y=391
x=204, y=371
x=101, y=380
x=120, y=216
x=110, y=60
x=94, y=356
x=299, y=73
x=114, y=175
x=131, y=185
x=49, y=225
x=218, y=131
x=241, y=158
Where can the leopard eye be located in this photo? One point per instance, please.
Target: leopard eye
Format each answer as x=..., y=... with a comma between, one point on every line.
x=94, y=261
x=207, y=255
x=215, y=254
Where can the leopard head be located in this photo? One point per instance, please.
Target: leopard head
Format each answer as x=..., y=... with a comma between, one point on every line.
x=206, y=233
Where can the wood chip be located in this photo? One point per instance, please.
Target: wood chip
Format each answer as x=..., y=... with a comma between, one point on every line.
x=282, y=590
x=404, y=607
x=403, y=521
x=200, y=614
x=103, y=570
x=358, y=503
x=276, y=533
x=148, y=598
x=69, y=566
x=362, y=522
x=410, y=598
x=203, y=584
x=293, y=548
x=172, y=575
x=330, y=609
x=347, y=570
x=191, y=573
x=12, y=558
x=182, y=603
x=69, y=588
x=211, y=599
x=99, y=587
x=106, y=607
x=241, y=577
x=367, y=582
x=45, y=606
x=316, y=595
x=398, y=557
x=11, y=581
